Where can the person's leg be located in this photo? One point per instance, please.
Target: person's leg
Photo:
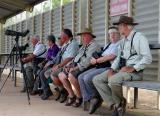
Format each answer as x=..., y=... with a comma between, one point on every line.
x=63, y=78
x=30, y=77
x=63, y=93
x=84, y=92
x=101, y=83
x=73, y=80
x=66, y=84
x=75, y=84
x=45, y=86
x=89, y=84
x=116, y=81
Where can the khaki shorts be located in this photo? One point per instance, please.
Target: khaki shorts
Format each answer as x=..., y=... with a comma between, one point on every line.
x=51, y=73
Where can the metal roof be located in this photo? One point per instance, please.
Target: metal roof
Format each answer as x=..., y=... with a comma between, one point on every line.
x=9, y=8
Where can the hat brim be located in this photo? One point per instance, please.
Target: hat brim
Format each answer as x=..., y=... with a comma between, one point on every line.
x=118, y=23
x=78, y=34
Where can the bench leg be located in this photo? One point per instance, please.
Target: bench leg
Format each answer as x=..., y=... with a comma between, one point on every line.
x=15, y=78
x=128, y=94
x=158, y=100
x=135, y=97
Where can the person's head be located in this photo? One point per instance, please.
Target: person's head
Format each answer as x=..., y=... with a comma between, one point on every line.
x=59, y=41
x=86, y=36
x=51, y=40
x=66, y=35
x=125, y=25
x=114, y=35
x=35, y=39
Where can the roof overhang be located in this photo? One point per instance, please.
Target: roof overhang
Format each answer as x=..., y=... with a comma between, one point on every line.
x=9, y=8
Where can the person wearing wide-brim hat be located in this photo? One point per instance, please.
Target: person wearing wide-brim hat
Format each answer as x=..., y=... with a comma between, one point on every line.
x=87, y=31
x=80, y=63
x=134, y=55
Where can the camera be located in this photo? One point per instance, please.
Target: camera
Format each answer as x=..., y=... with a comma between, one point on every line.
x=122, y=62
x=15, y=33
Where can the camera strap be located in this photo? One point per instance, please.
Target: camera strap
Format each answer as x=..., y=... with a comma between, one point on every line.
x=106, y=47
x=130, y=47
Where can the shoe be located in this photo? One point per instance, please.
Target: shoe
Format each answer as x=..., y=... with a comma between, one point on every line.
x=45, y=96
x=115, y=112
x=57, y=94
x=86, y=105
x=78, y=102
x=34, y=92
x=122, y=108
x=63, y=96
x=70, y=101
x=95, y=104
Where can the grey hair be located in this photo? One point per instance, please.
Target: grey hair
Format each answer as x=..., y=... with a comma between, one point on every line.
x=36, y=37
x=130, y=27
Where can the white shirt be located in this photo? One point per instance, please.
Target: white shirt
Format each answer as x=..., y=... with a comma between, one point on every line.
x=39, y=49
x=112, y=49
x=71, y=50
x=140, y=46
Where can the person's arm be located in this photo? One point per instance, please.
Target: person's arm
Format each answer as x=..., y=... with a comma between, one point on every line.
x=28, y=58
x=65, y=62
x=85, y=63
x=106, y=58
x=142, y=49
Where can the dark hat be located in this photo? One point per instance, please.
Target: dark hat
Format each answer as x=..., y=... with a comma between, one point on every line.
x=52, y=38
x=125, y=20
x=87, y=31
x=68, y=32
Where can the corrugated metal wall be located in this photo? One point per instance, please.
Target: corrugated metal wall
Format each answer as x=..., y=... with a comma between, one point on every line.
x=56, y=21
x=67, y=16
x=146, y=13
x=98, y=19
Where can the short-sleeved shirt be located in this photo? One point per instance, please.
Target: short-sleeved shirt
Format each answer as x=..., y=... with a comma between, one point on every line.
x=40, y=50
x=112, y=49
x=52, y=52
x=71, y=50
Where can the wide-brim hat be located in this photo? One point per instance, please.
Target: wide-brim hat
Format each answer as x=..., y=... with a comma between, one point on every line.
x=87, y=31
x=125, y=20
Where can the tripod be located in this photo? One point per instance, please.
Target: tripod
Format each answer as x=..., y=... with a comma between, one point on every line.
x=19, y=54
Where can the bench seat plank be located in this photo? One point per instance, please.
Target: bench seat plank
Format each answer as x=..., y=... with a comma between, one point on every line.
x=143, y=85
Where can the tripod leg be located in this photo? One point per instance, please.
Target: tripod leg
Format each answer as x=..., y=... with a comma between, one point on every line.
x=22, y=68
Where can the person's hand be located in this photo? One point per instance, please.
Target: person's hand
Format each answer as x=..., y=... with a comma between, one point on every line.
x=71, y=69
x=110, y=72
x=128, y=69
x=54, y=68
x=23, y=60
x=93, y=61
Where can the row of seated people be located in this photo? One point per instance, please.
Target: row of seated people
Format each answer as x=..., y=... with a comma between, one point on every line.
x=89, y=74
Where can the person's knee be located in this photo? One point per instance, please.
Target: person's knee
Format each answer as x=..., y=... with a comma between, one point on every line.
x=62, y=76
x=87, y=80
x=96, y=80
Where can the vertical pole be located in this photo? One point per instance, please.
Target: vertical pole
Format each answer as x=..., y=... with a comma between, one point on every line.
x=159, y=43
x=61, y=16
x=135, y=97
x=106, y=20
x=158, y=100
x=130, y=7
x=73, y=17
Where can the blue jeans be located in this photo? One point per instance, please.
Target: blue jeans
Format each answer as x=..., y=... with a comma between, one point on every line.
x=86, y=85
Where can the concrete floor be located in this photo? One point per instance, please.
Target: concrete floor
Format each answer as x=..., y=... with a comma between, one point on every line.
x=13, y=103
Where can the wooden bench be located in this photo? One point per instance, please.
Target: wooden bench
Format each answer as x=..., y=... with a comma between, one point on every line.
x=148, y=85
